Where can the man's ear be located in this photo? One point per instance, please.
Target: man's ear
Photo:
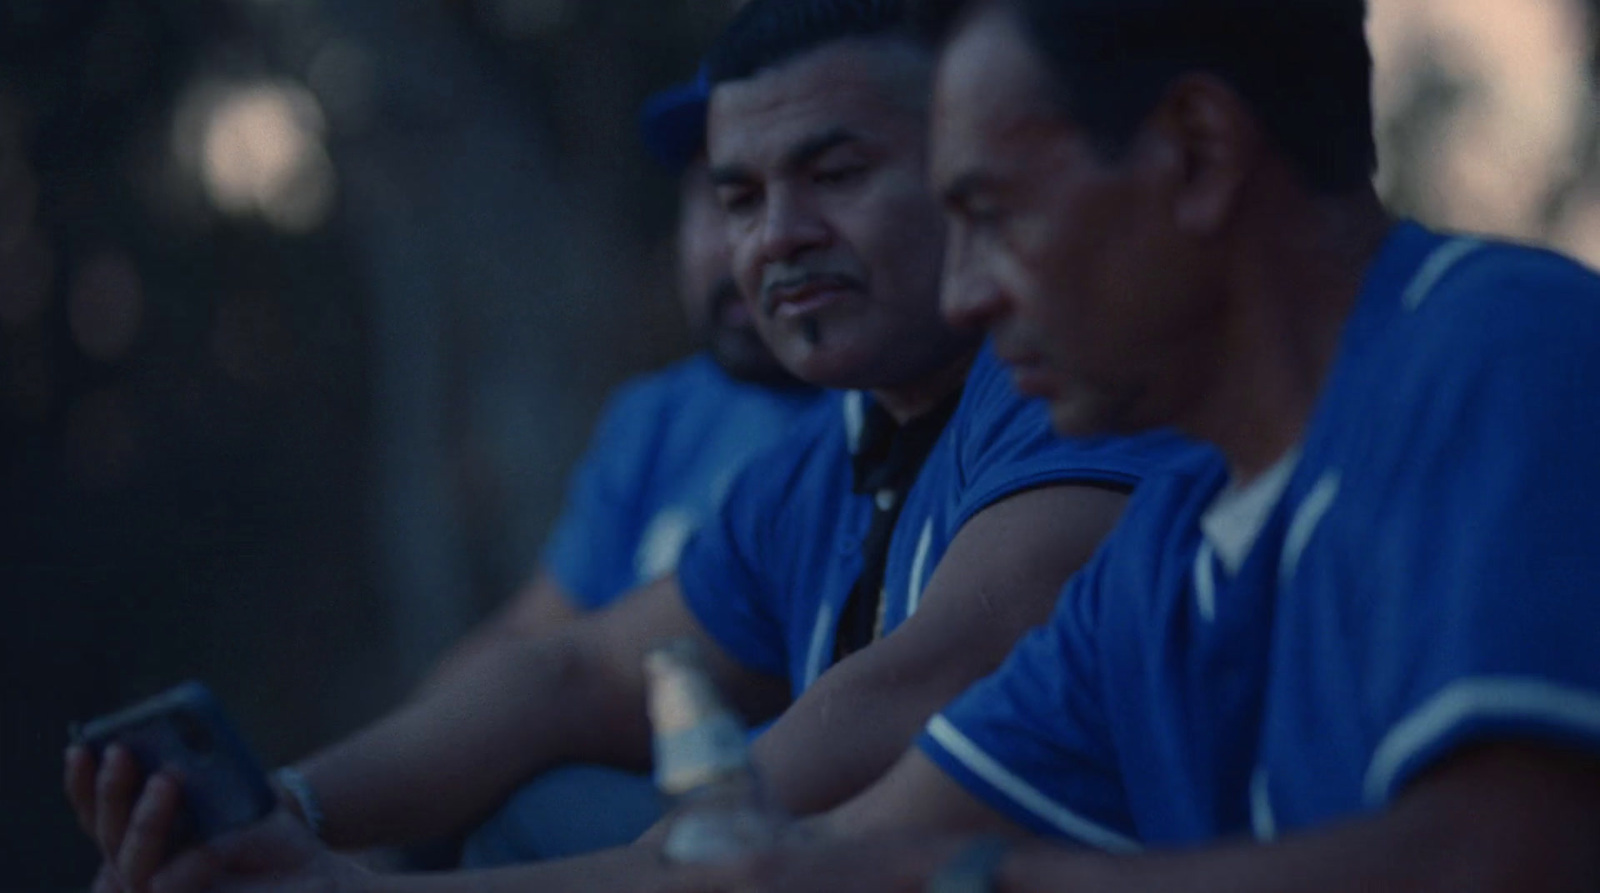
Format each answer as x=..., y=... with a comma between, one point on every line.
x=1208, y=140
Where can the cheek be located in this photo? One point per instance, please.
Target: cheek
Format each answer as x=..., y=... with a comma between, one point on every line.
x=900, y=233
x=744, y=257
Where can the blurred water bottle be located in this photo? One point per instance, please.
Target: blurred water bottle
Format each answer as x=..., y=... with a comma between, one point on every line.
x=702, y=756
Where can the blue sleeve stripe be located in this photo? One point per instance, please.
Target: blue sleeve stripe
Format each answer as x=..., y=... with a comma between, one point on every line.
x=1008, y=784
x=1488, y=699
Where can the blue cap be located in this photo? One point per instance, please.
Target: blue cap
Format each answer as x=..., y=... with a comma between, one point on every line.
x=673, y=122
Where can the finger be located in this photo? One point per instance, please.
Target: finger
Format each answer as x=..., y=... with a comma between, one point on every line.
x=79, y=784
x=116, y=786
x=149, y=833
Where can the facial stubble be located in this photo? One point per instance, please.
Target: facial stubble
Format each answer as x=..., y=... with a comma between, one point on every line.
x=811, y=331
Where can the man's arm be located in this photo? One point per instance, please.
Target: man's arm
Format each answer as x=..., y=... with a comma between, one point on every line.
x=444, y=760
x=540, y=608
x=516, y=707
x=1503, y=818
x=1000, y=576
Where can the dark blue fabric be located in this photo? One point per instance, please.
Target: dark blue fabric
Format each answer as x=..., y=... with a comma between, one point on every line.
x=1427, y=580
x=566, y=812
x=659, y=463
x=769, y=577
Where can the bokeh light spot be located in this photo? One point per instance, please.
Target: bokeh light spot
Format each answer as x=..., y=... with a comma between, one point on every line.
x=258, y=150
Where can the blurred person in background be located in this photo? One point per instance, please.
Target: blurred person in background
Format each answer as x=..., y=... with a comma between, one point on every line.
x=1359, y=648
x=869, y=568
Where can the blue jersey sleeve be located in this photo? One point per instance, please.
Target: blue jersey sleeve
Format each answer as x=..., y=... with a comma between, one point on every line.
x=1486, y=570
x=1008, y=445
x=590, y=550
x=1032, y=741
x=730, y=571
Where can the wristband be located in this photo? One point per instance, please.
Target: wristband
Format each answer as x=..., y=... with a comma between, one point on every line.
x=293, y=782
x=973, y=869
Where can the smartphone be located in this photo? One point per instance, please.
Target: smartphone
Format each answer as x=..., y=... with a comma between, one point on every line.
x=185, y=732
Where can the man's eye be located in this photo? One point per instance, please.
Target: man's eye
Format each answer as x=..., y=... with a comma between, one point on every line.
x=981, y=216
x=839, y=174
x=737, y=201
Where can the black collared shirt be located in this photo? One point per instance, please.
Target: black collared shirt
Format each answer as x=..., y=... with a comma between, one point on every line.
x=888, y=456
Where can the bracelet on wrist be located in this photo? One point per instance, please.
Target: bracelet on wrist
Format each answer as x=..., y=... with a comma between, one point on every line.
x=293, y=782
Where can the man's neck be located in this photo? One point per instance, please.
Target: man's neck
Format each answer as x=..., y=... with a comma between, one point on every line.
x=905, y=402
x=1291, y=294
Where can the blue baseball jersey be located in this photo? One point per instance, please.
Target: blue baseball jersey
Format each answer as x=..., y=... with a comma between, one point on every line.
x=1419, y=575
x=769, y=578
x=666, y=449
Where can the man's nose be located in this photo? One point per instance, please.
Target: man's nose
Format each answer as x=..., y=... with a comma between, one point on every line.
x=791, y=226
x=969, y=296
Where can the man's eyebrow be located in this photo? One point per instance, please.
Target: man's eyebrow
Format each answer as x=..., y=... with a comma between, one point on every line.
x=729, y=175
x=812, y=147
x=798, y=157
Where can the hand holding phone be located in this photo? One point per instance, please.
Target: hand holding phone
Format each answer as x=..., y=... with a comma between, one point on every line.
x=185, y=733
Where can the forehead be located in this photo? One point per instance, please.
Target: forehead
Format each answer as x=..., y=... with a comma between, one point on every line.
x=871, y=87
x=990, y=87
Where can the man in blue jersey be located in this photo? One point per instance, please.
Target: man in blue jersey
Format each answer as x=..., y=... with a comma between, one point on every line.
x=667, y=448
x=867, y=569
x=1358, y=649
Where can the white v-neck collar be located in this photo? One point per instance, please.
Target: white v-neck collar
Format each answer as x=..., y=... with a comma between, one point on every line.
x=1234, y=519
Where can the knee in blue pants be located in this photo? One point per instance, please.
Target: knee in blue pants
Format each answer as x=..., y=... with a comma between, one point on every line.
x=566, y=812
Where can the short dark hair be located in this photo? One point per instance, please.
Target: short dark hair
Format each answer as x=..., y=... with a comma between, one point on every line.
x=1303, y=66
x=767, y=33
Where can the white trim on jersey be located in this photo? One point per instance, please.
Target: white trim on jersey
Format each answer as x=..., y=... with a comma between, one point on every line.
x=919, y=567
x=1263, y=821
x=1487, y=697
x=1235, y=518
x=1205, y=580
x=1023, y=794
x=855, y=419
x=1307, y=516
x=817, y=654
x=1434, y=269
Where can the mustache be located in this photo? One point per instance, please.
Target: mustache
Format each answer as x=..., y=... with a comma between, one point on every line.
x=780, y=279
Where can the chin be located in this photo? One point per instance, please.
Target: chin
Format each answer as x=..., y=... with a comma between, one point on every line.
x=749, y=360
x=826, y=367
x=1090, y=414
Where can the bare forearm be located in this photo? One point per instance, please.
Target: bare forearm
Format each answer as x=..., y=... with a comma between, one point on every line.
x=843, y=736
x=441, y=762
x=538, y=610
x=1000, y=577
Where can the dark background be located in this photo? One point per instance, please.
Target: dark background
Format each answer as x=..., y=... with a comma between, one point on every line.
x=306, y=307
